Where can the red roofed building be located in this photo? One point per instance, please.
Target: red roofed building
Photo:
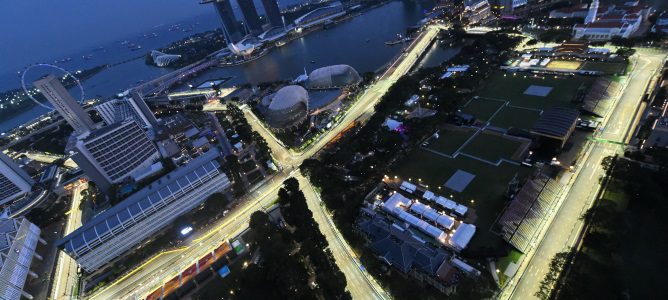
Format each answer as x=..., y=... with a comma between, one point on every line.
x=602, y=24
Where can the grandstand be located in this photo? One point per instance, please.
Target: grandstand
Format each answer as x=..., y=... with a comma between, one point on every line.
x=522, y=218
x=599, y=98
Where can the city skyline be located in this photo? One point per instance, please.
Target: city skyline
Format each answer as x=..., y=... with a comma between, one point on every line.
x=508, y=149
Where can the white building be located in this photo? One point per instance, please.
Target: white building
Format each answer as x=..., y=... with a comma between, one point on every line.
x=140, y=216
x=14, y=182
x=18, y=241
x=112, y=153
x=602, y=24
x=64, y=103
x=476, y=11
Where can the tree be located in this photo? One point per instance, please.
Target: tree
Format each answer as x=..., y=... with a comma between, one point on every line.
x=550, y=280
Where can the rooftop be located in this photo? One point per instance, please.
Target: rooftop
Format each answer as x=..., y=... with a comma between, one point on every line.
x=134, y=204
x=556, y=122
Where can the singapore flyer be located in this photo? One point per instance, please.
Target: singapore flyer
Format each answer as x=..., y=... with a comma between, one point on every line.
x=43, y=65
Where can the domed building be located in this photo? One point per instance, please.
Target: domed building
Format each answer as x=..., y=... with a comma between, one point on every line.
x=336, y=76
x=286, y=108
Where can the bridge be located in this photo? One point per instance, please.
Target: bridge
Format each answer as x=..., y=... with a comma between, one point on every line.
x=479, y=30
x=161, y=84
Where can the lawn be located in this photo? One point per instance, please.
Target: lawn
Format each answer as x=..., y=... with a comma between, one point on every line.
x=493, y=147
x=515, y=117
x=605, y=67
x=486, y=190
x=511, y=87
x=482, y=109
x=450, y=140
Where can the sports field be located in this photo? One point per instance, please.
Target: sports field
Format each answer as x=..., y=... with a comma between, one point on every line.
x=483, y=109
x=516, y=117
x=605, y=67
x=564, y=64
x=512, y=87
x=493, y=147
x=450, y=139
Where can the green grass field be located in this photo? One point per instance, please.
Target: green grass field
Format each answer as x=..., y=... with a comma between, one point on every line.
x=511, y=88
x=515, y=117
x=450, y=140
x=482, y=109
x=487, y=188
x=606, y=67
x=492, y=147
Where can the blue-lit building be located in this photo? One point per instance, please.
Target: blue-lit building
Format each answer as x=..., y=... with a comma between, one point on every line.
x=119, y=229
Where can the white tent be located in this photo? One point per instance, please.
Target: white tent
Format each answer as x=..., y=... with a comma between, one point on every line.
x=462, y=236
x=461, y=210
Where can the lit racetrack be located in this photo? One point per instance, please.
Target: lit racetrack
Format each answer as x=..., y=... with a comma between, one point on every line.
x=150, y=275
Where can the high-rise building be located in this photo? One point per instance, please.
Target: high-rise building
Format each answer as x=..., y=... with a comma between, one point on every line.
x=251, y=18
x=226, y=14
x=140, y=216
x=112, y=153
x=64, y=103
x=273, y=13
x=133, y=107
x=18, y=241
x=14, y=182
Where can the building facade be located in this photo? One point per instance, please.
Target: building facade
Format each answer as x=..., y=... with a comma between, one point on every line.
x=18, y=241
x=226, y=14
x=64, y=103
x=251, y=18
x=140, y=216
x=14, y=182
x=132, y=107
x=273, y=13
x=112, y=153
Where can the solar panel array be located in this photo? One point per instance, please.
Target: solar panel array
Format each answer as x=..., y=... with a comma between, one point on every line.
x=137, y=207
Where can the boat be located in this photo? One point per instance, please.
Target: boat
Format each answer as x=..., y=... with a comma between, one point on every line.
x=313, y=61
x=280, y=43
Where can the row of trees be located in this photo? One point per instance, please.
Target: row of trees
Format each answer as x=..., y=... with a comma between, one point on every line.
x=296, y=264
x=246, y=133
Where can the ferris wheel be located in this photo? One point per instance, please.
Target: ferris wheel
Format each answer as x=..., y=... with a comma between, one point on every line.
x=43, y=65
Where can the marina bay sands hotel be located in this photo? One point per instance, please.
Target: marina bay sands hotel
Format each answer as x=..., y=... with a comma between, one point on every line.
x=251, y=19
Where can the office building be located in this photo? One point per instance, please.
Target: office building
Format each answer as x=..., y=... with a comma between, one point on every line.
x=146, y=212
x=251, y=18
x=226, y=14
x=133, y=107
x=18, y=241
x=64, y=103
x=14, y=182
x=112, y=153
x=273, y=13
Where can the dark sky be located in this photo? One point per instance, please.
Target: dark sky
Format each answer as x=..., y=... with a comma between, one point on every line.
x=31, y=30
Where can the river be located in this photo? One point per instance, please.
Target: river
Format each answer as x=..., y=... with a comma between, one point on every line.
x=359, y=42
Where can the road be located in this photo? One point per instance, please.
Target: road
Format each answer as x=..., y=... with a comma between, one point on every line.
x=562, y=234
x=162, y=267
x=66, y=277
